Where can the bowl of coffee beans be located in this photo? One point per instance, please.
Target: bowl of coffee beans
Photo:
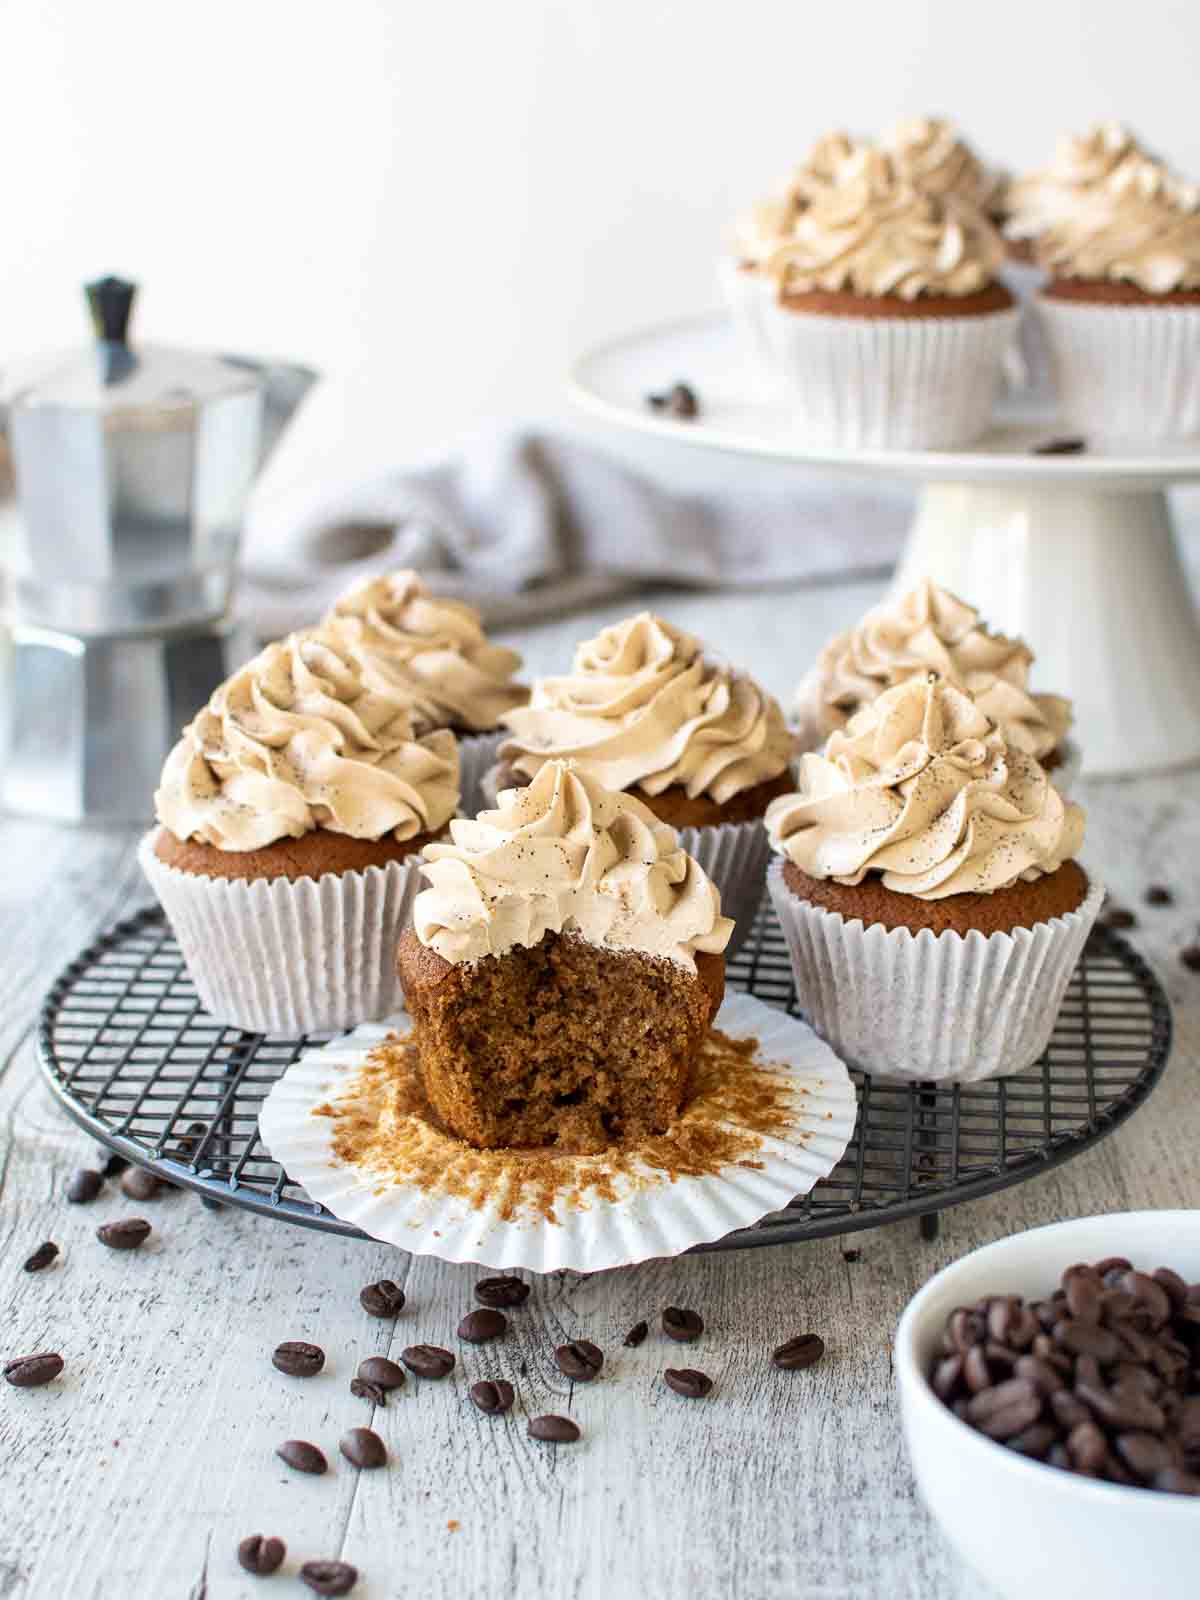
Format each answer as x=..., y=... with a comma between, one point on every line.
x=1050, y=1394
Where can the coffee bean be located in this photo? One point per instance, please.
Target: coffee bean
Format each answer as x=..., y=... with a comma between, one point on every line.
x=1040, y=1373
x=329, y=1577
x=382, y=1299
x=1086, y=1447
x=964, y=1329
x=1152, y=1296
x=1176, y=1481
x=553, y=1430
x=1084, y=1293
x=692, y=1385
x=1130, y=1409
x=681, y=1324
x=1035, y=1441
x=1159, y=895
x=84, y=1186
x=261, y=1557
x=114, y=1166
x=947, y=1377
x=678, y=401
x=989, y=1401
x=31, y=1372
x=379, y=1370
x=851, y=1257
x=501, y=1293
x=636, y=1335
x=805, y=1350
x=1190, y=956
x=493, y=1396
x=1060, y=447
x=1144, y=1455
x=1118, y=917
x=1113, y=1264
x=371, y=1392
x=1088, y=1339
x=304, y=1457
x=1069, y=1411
x=363, y=1448
x=1172, y=1285
x=427, y=1360
x=127, y=1234
x=139, y=1184
x=580, y=1360
x=976, y=1373
x=295, y=1359
x=478, y=1327
x=42, y=1257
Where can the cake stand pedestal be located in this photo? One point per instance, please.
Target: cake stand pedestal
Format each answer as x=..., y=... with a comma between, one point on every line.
x=1075, y=553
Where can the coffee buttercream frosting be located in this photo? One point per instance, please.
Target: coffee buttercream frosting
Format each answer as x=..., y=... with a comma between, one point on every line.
x=921, y=789
x=932, y=154
x=644, y=708
x=297, y=740
x=931, y=630
x=759, y=234
x=1082, y=163
x=1141, y=225
x=566, y=855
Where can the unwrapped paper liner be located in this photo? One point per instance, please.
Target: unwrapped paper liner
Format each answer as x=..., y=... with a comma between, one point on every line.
x=875, y=383
x=1125, y=372
x=276, y=956
x=653, y=1216
x=938, y=1008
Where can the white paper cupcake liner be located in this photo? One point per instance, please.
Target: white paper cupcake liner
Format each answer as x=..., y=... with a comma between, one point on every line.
x=735, y=856
x=1027, y=364
x=882, y=383
x=933, y=1008
x=635, y=1216
x=273, y=956
x=1125, y=372
x=476, y=756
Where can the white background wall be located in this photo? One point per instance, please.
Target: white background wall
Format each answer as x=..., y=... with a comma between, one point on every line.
x=437, y=203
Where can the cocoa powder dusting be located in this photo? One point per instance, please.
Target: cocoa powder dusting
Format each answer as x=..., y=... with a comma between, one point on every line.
x=384, y=1127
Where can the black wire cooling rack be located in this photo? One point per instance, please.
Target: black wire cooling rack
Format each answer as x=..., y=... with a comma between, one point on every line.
x=133, y=1057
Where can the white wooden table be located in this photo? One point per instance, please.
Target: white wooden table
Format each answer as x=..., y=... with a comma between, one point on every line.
x=139, y=1471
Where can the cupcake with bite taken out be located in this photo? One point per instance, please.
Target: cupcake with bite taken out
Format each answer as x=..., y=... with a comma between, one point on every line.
x=406, y=639
x=645, y=710
x=931, y=630
x=926, y=882
x=291, y=817
x=562, y=970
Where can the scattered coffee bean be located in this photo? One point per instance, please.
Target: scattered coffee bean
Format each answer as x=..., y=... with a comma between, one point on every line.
x=139, y=1184
x=637, y=1335
x=553, y=1430
x=427, y=1360
x=114, y=1166
x=501, y=1293
x=31, y=1372
x=1118, y=917
x=371, y=1392
x=677, y=401
x=382, y=1299
x=681, y=1324
x=1159, y=895
x=189, y=1141
x=261, y=1557
x=1060, y=447
x=127, y=1234
x=580, y=1360
x=296, y=1359
x=363, y=1448
x=329, y=1577
x=303, y=1457
x=493, y=1396
x=42, y=1257
x=805, y=1350
x=84, y=1186
x=851, y=1257
x=1190, y=956
x=379, y=1370
x=478, y=1327
x=1175, y=1481
x=692, y=1385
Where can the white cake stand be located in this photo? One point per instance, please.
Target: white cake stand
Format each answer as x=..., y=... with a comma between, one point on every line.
x=1076, y=553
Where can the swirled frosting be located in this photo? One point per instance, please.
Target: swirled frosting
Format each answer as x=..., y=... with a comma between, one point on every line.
x=921, y=789
x=567, y=855
x=931, y=630
x=932, y=155
x=434, y=649
x=758, y=235
x=1082, y=163
x=644, y=708
x=298, y=740
x=872, y=232
x=1140, y=226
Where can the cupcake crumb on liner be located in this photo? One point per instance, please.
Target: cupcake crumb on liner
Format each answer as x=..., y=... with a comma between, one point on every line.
x=284, y=957
x=772, y=1115
x=920, y=1007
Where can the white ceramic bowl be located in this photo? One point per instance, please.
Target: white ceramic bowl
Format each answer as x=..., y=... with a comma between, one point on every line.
x=1029, y=1529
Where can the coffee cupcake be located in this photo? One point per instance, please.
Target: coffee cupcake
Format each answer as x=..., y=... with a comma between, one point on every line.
x=645, y=711
x=1121, y=309
x=927, y=886
x=884, y=323
x=433, y=649
x=292, y=813
x=931, y=630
